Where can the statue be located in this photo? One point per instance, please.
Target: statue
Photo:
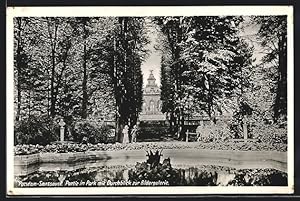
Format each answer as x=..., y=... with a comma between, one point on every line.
x=62, y=129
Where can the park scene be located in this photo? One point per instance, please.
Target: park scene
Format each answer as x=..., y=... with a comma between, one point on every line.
x=150, y=101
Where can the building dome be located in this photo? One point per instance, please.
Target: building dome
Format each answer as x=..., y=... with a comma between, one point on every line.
x=151, y=76
x=151, y=80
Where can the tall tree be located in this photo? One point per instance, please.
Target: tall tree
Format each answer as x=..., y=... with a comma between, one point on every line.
x=210, y=50
x=128, y=52
x=53, y=26
x=49, y=46
x=167, y=90
x=91, y=55
x=30, y=77
x=84, y=22
x=81, y=26
x=273, y=36
x=120, y=55
x=71, y=67
x=21, y=58
x=174, y=30
x=202, y=50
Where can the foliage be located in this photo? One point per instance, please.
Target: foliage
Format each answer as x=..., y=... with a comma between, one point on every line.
x=152, y=130
x=167, y=88
x=259, y=177
x=161, y=172
x=36, y=130
x=270, y=133
x=205, y=70
x=206, y=63
x=152, y=133
x=91, y=68
x=215, y=133
x=66, y=66
x=240, y=114
x=272, y=35
x=94, y=131
x=26, y=149
x=126, y=51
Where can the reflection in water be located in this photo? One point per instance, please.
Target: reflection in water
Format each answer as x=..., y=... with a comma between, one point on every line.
x=144, y=175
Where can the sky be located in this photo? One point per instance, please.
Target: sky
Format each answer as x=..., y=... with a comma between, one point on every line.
x=153, y=61
x=249, y=34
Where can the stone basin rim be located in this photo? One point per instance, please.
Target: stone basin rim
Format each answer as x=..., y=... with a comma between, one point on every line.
x=174, y=154
x=168, y=149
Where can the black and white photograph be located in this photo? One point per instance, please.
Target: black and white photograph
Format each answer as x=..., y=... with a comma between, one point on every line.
x=157, y=100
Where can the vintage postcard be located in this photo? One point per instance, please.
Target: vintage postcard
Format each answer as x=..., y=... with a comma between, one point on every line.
x=150, y=100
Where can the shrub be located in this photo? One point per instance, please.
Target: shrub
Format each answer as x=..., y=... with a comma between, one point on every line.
x=160, y=172
x=93, y=131
x=211, y=133
x=152, y=130
x=106, y=134
x=270, y=133
x=36, y=130
x=223, y=133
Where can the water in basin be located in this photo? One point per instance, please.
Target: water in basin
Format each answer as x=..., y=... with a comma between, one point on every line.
x=85, y=174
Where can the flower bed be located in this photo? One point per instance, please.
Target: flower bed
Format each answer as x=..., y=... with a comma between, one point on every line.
x=71, y=147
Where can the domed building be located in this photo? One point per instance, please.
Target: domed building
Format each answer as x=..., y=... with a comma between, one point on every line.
x=151, y=110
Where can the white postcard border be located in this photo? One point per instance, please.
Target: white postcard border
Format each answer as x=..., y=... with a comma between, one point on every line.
x=145, y=11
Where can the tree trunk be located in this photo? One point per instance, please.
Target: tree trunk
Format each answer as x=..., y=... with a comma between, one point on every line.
x=171, y=123
x=52, y=95
x=18, y=56
x=19, y=99
x=85, y=76
x=48, y=99
x=210, y=98
x=52, y=87
x=115, y=82
x=29, y=104
x=280, y=106
x=122, y=88
x=84, y=85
